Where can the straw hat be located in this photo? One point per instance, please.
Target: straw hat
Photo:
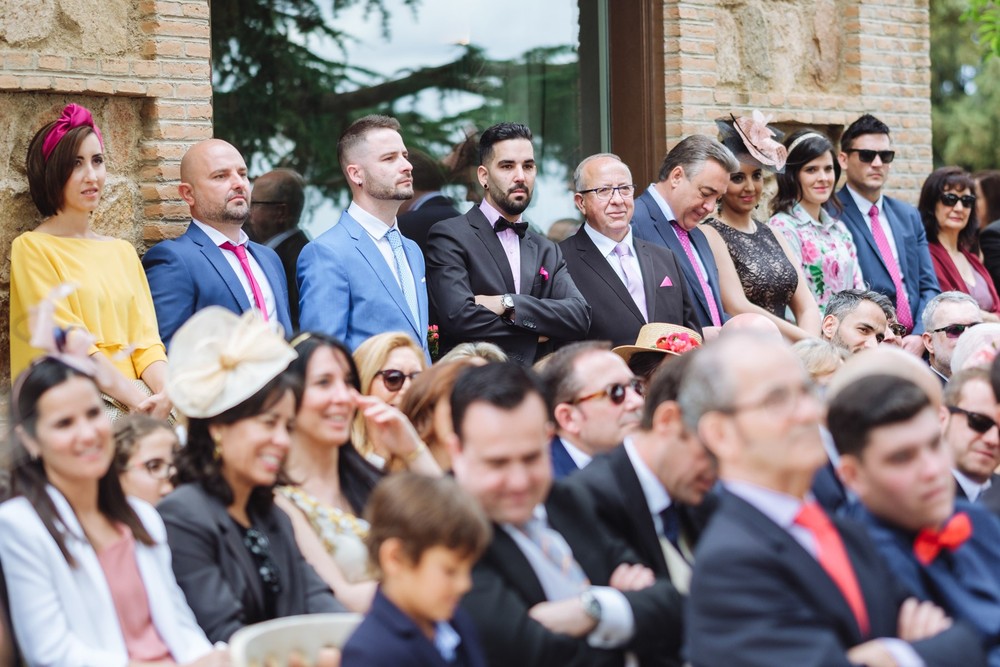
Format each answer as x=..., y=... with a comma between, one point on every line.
x=653, y=332
x=218, y=359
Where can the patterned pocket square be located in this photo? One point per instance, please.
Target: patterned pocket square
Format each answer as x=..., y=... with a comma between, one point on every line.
x=666, y=282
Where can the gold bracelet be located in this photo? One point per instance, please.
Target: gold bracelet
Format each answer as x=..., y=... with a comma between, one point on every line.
x=415, y=454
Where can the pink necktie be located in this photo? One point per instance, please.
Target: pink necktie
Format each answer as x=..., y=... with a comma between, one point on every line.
x=685, y=240
x=241, y=254
x=903, y=315
x=632, y=279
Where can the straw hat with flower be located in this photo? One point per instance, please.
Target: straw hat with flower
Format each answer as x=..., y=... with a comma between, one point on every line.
x=661, y=337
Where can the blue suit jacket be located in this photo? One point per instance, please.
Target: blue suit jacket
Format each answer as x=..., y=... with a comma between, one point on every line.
x=911, y=246
x=389, y=638
x=347, y=290
x=562, y=463
x=190, y=272
x=649, y=224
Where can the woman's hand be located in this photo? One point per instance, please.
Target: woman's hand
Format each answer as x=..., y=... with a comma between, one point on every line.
x=157, y=406
x=391, y=432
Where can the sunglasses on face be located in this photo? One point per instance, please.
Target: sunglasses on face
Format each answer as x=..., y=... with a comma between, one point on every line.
x=257, y=544
x=979, y=423
x=394, y=379
x=955, y=330
x=868, y=156
x=615, y=392
x=898, y=329
x=950, y=199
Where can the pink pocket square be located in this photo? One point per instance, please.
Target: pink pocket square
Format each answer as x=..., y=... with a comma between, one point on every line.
x=666, y=282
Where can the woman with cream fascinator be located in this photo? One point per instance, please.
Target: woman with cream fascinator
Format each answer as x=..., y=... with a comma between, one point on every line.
x=234, y=552
x=757, y=272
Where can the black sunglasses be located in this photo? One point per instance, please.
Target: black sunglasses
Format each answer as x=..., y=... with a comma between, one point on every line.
x=868, y=156
x=955, y=330
x=615, y=392
x=979, y=423
x=950, y=199
x=394, y=379
x=257, y=544
x=898, y=329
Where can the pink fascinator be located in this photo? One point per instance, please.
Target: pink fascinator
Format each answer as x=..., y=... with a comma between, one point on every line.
x=752, y=140
x=72, y=116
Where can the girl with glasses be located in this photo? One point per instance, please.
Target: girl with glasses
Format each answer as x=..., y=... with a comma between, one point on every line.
x=144, y=456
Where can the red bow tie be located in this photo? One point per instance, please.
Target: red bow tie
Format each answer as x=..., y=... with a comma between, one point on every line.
x=952, y=535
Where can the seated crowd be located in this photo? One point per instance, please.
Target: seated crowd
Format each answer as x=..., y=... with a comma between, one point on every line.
x=683, y=435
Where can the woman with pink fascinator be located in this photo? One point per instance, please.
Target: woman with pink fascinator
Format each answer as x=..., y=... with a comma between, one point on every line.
x=103, y=286
x=757, y=273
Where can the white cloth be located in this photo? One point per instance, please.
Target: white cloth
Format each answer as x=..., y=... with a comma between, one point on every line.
x=218, y=238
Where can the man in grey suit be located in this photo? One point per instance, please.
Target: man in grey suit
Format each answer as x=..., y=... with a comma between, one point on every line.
x=694, y=175
x=362, y=277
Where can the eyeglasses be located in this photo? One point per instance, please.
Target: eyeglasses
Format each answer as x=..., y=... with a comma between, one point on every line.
x=615, y=392
x=782, y=400
x=394, y=379
x=605, y=193
x=978, y=422
x=949, y=199
x=898, y=329
x=868, y=156
x=156, y=468
x=259, y=547
x=955, y=330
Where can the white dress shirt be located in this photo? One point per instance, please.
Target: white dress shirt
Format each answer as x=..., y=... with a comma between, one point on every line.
x=218, y=238
x=972, y=489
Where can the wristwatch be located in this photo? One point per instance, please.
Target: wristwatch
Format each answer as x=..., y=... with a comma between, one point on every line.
x=507, y=301
x=591, y=605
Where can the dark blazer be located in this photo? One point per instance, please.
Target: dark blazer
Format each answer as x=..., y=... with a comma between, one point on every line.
x=562, y=463
x=389, y=638
x=505, y=587
x=288, y=252
x=465, y=258
x=990, y=498
x=989, y=243
x=189, y=273
x=649, y=224
x=218, y=574
x=615, y=317
x=611, y=482
x=829, y=491
x=759, y=599
x=415, y=224
x=911, y=245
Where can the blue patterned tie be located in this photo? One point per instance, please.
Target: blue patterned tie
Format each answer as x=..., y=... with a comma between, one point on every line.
x=556, y=551
x=409, y=291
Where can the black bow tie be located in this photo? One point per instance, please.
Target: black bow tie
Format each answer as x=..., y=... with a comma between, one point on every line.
x=519, y=227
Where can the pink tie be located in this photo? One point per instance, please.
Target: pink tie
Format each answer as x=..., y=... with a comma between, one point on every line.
x=241, y=254
x=632, y=279
x=903, y=315
x=685, y=240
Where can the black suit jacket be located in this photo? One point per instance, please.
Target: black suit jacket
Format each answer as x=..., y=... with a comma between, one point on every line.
x=465, y=258
x=759, y=599
x=614, y=315
x=415, y=224
x=505, y=587
x=611, y=482
x=288, y=252
x=217, y=573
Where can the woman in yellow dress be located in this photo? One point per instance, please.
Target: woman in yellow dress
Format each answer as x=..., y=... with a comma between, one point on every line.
x=107, y=290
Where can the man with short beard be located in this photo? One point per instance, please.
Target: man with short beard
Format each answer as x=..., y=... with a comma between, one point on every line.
x=856, y=319
x=491, y=278
x=214, y=263
x=362, y=277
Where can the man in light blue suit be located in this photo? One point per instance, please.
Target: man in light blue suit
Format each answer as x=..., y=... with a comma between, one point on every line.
x=865, y=156
x=214, y=263
x=362, y=277
x=694, y=175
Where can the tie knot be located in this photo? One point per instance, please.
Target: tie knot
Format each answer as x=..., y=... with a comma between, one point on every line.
x=234, y=247
x=393, y=237
x=873, y=211
x=812, y=516
x=623, y=250
x=677, y=228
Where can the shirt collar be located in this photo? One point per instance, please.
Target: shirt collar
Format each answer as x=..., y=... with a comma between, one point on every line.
x=864, y=205
x=661, y=202
x=580, y=457
x=491, y=212
x=375, y=227
x=780, y=508
x=606, y=245
x=657, y=497
x=971, y=488
x=217, y=237
x=803, y=216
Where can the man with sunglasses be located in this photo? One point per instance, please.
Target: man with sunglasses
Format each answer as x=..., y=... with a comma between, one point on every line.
x=971, y=432
x=946, y=317
x=889, y=235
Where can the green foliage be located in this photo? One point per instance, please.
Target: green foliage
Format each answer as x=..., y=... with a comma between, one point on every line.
x=986, y=14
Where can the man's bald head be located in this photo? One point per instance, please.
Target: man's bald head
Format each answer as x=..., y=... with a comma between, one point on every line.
x=886, y=361
x=214, y=184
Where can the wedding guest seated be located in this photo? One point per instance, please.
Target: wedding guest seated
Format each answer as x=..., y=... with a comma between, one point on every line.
x=144, y=456
x=234, y=552
x=753, y=322
x=977, y=347
x=478, y=349
x=87, y=570
x=426, y=534
x=820, y=358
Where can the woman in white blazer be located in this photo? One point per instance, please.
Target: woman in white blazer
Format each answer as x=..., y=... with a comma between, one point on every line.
x=67, y=513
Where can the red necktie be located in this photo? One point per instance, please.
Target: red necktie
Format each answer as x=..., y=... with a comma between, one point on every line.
x=241, y=254
x=903, y=314
x=952, y=535
x=832, y=556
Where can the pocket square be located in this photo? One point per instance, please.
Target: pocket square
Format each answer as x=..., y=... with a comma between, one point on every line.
x=666, y=282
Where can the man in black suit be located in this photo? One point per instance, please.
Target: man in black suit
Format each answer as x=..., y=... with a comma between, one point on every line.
x=776, y=581
x=627, y=281
x=428, y=204
x=553, y=588
x=971, y=432
x=488, y=276
x=653, y=492
x=277, y=203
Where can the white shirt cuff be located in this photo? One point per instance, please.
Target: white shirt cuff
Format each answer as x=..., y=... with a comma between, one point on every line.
x=617, y=624
x=904, y=654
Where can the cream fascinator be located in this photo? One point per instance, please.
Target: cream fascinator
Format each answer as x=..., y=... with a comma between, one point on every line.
x=219, y=359
x=753, y=141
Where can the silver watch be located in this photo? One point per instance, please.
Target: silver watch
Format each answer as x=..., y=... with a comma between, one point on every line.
x=507, y=301
x=591, y=605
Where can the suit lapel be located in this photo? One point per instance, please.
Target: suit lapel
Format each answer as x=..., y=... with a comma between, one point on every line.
x=493, y=246
x=218, y=261
x=515, y=568
x=662, y=227
x=899, y=234
x=600, y=266
x=628, y=484
x=856, y=224
x=239, y=554
x=529, y=263
x=364, y=244
x=419, y=285
x=275, y=280
x=649, y=278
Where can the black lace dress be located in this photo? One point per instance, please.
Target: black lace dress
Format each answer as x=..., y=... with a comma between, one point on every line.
x=768, y=278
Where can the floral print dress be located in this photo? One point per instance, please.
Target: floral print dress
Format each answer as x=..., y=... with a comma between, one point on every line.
x=824, y=249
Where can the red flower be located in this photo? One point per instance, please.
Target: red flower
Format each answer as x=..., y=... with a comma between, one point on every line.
x=678, y=343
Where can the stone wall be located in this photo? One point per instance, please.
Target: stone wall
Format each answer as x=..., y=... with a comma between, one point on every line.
x=143, y=69
x=819, y=63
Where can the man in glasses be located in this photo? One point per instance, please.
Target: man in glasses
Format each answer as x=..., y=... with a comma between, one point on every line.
x=856, y=319
x=971, y=432
x=596, y=401
x=888, y=233
x=946, y=317
x=627, y=281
